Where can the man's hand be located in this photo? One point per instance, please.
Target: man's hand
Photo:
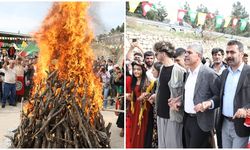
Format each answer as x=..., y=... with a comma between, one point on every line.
x=152, y=98
x=198, y=108
x=174, y=103
x=206, y=104
x=201, y=107
x=248, y=113
x=5, y=65
x=240, y=113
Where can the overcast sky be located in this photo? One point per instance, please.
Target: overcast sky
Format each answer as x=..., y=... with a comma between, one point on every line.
x=27, y=16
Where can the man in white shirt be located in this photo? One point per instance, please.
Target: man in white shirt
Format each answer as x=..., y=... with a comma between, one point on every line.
x=9, y=83
x=201, y=95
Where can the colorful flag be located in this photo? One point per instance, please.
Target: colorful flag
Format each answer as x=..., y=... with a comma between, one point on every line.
x=23, y=54
x=24, y=44
x=227, y=21
x=133, y=5
x=235, y=21
x=146, y=7
x=219, y=20
x=154, y=7
x=181, y=14
x=243, y=24
x=201, y=18
x=192, y=15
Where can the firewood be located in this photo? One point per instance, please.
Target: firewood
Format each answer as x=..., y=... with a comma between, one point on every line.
x=55, y=118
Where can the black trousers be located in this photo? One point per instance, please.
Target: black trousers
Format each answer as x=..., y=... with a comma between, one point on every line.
x=194, y=136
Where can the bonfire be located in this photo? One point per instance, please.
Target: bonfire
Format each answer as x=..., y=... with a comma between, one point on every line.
x=64, y=108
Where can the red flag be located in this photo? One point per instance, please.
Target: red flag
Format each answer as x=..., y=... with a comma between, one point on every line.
x=181, y=14
x=210, y=15
x=20, y=85
x=235, y=21
x=146, y=7
x=23, y=54
x=1, y=44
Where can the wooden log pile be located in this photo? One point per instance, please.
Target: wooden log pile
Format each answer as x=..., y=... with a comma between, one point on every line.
x=56, y=120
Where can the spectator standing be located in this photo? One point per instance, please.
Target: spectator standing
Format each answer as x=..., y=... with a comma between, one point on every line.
x=9, y=83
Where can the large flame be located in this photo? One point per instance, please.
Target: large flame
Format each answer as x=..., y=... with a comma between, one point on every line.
x=64, y=42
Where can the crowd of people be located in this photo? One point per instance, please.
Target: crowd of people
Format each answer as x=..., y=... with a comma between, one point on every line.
x=112, y=78
x=16, y=76
x=176, y=98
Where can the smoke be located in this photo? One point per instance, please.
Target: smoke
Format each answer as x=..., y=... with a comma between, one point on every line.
x=96, y=21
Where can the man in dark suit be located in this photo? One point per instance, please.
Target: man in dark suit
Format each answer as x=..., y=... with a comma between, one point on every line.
x=201, y=95
x=235, y=97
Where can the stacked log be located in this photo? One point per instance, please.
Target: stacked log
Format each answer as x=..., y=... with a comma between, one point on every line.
x=52, y=118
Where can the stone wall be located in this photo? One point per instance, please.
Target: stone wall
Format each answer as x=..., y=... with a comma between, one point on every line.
x=114, y=39
x=147, y=40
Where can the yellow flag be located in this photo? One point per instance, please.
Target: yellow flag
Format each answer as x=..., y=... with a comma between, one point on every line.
x=24, y=44
x=133, y=4
x=227, y=21
x=201, y=18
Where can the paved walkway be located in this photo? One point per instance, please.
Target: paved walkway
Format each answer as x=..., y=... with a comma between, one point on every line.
x=10, y=119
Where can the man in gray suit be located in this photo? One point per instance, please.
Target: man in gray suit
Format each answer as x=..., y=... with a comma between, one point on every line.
x=235, y=97
x=200, y=96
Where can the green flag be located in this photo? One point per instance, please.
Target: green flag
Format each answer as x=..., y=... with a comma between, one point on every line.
x=219, y=20
x=31, y=48
x=192, y=15
x=154, y=7
x=243, y=24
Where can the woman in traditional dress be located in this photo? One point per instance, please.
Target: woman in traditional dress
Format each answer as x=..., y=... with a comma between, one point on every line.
x=139, y=107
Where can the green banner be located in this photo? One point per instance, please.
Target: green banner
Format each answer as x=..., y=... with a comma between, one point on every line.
x=219, y=21
x=243, y=24
x=192, y=15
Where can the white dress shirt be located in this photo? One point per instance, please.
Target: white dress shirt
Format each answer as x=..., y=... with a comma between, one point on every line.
x=9, y=75
x=189, y=90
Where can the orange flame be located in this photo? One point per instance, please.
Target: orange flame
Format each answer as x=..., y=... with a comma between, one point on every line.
x=64, y=42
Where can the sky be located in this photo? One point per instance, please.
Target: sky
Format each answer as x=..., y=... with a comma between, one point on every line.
x=26, y=17
x=223, y=6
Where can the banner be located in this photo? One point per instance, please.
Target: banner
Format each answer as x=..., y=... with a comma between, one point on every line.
x=180, y=15
x=192, y=15
x=219, y=20
x=227, y=21
x=235, y=21
x=133, y=5
x=243, y=24
x=20, y=85
x=146, y=7
x=201, y=18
